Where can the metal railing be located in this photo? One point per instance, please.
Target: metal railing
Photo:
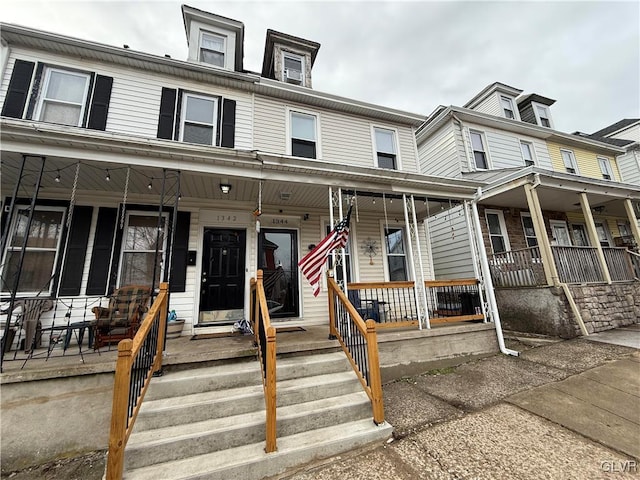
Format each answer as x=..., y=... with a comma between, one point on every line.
x=389, y=304
x=454, y=300
x=138, y=359
x=517, y=268
x=359, y=342
x=619, y=264
x=265, y=339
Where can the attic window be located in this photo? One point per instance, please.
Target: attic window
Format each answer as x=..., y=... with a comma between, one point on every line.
x=212, y=49
x=293, y=68
x=507, y=107
x=543, y=116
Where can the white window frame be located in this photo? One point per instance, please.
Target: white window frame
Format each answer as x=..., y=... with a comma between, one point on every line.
x=223, y=51
x=563, y=224
x=294, y=56
x=9, y=248
x=288, y=130
x=139, y=213
x=535, y=107
x=45, y=86
x=503, y=229
x=572, y=158
x=531, y=151
x=605, y=168
x=395, y=145
x=524, y=215
x=386, y=255
x=504, y=98
x=183, y=115
x=483, y=139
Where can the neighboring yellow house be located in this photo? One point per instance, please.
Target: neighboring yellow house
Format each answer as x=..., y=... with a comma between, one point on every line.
x=588, y=163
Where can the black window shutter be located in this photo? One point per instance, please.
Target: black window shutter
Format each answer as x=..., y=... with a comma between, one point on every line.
x=76, y=251
x=18, y=90
x=101, y=255
x=176, y=133
x=35, y=89
x=228, y=123
x=180, y=252
x=100, y=103
x=167, y=113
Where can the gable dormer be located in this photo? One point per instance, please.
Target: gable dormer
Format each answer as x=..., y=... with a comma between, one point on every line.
x=289, y=59
x=214, y=40
x=534, y=109
x=496, y=99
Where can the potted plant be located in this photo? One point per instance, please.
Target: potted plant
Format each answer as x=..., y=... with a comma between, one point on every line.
x=174, y=325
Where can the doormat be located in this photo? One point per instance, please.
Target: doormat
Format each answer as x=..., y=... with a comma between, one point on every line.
x=205, y=336
x=289, y=329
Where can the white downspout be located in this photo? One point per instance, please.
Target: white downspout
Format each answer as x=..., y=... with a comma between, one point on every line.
x=486, y=273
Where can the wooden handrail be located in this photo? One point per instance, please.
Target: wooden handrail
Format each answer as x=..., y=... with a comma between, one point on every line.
x=369, y=372
x=265, y=339
x=129, y=390
x=447, y=283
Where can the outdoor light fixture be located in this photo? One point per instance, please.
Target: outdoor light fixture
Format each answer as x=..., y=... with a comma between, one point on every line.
x=150, y=186
x=57, y=179
x=108, y=177
x=225, y=188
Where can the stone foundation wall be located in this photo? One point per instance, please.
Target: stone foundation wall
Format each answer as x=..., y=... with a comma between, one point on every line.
x=604, y=307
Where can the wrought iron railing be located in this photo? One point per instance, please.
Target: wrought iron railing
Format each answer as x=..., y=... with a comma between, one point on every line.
x=138, y=359
x=453, y=300
x=265, y=339
x=389, y=304
x=359, y=342
x=517, y=268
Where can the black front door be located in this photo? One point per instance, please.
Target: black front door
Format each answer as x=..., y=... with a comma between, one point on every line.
x=223, y=270
x=278, y=259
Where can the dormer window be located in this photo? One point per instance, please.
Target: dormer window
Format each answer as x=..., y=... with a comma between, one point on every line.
x=542, y=113
x=293, y=68
x=212, y=49
x=507, y=107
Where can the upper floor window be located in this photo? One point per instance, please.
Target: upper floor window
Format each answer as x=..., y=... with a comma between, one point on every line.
x=507, y=107
x=396, y=256
x=303, y=135
x=527, y=153
x=198, y=119
x=63, y=98
x=542, y=113
x=212, y=49
x=138, y=257
x=41, y=253
x=386, y=148
x=497, y=231
x=605, y=168
x=293, y=68
x=569, y=160
x=479, y=151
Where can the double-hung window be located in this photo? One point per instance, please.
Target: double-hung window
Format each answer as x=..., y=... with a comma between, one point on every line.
x=385, y=140
x=527, y=153
x=199, y=119
x=138, y=258
x=293, y=68
x=63, y=97
x=497, y=231
x=212, y=49
x=543, y=115
x=507, y=107
x=303, y=135
x=479, y=151
x=41, y=253
x=605, y=168
x=396, y=256
x=569, y=161
x=529, y=232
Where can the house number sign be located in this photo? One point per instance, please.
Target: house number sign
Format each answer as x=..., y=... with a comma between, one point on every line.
x=224, y=217
x=279, y=221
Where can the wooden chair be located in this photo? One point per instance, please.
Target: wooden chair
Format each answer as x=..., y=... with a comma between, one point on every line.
x=122, y=318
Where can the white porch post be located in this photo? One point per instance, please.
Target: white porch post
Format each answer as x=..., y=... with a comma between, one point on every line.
x=548, y=263
x=475, y=257
x=412, y=229
x=633, y=221
x=593, y=235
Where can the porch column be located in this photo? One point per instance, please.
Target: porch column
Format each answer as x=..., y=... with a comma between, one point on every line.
x=593, y=235
x=633, y=221
x=411, y=224
x=548, y=263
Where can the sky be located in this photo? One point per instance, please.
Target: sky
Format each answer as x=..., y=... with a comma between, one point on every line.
x=407, y=55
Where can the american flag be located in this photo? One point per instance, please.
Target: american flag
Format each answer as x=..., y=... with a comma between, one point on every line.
x=313, y=262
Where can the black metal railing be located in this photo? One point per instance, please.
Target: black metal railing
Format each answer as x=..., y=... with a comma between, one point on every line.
x=389, y=304
x=453, y=300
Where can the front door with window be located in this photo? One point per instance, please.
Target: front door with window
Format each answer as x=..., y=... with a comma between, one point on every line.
x=223, y=275
x=278, y=259
x=560, y=232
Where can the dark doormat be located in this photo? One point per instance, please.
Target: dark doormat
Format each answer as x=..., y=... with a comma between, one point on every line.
x=289, y=329
x=205, y=336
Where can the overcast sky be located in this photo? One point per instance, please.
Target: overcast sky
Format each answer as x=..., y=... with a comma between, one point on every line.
x=412, y=56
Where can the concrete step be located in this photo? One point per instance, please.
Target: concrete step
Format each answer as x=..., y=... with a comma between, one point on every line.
x=250, y=462
x=202, y=406
x=182, y=441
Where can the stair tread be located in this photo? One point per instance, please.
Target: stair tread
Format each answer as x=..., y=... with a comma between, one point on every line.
x=253, y=453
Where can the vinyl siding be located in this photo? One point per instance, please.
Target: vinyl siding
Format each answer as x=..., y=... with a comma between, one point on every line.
x=629, y=167
x=345, y=139
x=587, y=161
x=451, y=245
x=135, y=97
x=632, y=133
x=441, y=154
x=491, y=105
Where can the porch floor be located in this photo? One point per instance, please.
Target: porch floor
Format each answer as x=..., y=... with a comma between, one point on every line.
x=183, y=352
